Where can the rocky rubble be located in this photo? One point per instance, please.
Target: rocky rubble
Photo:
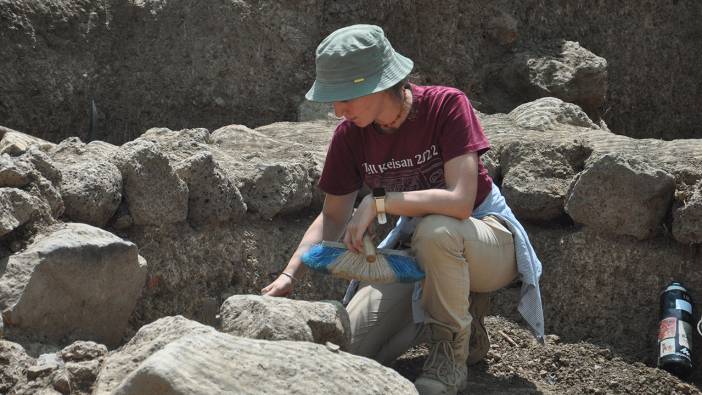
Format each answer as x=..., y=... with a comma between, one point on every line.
x=203, y=217
x=176, y=355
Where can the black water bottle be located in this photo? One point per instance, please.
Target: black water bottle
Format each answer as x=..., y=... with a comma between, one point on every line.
x=675, y=331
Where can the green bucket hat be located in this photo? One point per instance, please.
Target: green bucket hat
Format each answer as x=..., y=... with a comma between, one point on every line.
x=355, y=61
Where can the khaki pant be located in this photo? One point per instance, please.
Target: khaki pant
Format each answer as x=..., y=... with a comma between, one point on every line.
x=458, y=257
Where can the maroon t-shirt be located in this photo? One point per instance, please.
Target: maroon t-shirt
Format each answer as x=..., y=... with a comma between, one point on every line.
x=441, y=126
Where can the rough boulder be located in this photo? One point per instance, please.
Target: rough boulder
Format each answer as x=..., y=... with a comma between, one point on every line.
x=76, y=282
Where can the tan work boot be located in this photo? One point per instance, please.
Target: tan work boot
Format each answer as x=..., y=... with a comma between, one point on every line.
x=444, y=371
x=479, y=340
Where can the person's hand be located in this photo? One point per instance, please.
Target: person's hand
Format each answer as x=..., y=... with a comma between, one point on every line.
x=360, y=222
x=281, y=286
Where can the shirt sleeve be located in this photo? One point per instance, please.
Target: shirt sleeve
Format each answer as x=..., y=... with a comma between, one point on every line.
x=340, y=174
x=461, y=130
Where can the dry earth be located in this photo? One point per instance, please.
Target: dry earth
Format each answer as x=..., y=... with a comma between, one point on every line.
x=516, y=363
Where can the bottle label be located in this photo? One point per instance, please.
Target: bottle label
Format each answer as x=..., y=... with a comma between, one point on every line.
x=667, y=329
x=667, y=347
x=685, y=330
x=682, y=304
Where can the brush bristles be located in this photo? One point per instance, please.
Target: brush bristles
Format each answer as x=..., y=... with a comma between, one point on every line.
x=342, y=263
x=354, y=266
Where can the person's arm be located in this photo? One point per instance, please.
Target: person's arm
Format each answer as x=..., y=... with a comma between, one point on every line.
x=329, y=225
x=461, y=174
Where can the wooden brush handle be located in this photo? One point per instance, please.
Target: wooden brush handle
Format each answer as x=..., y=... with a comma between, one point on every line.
x=369, y=248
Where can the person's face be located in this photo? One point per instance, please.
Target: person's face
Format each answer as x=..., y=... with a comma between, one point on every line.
x=361, y=110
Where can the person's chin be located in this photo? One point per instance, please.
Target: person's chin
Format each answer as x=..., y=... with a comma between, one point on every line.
x=360, y=123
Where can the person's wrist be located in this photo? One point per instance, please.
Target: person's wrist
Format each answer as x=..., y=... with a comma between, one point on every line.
x=379, y=199
x=290, y=276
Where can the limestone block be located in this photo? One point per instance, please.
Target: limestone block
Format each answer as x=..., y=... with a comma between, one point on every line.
x=154, y=193
x=213, y=196
x=621, y=195
x=177, y=137
x=16, y=143
x=34, y=172
x=281, y=164
x=77, y=282
x=18, y=207
x=214, y=362
x=149, y=339
x=278, y=188
x=73, y=149
x=91, y=186
x=537, y=175
x=263, y=317
x=91, y=192
x=559, y=68
x=14, y=173
x=49, y=193
x=546, y=113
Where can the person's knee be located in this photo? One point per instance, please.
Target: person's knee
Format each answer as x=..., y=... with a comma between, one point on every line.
x=436, y=232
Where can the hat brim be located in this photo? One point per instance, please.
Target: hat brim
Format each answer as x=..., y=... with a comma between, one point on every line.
x=395, y=72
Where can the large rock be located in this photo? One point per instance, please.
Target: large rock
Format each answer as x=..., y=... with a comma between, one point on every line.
x=91, y=192
x=91, y=186
x=178, y=145
x=149, y=339
x=18, y=207
x=77, y=282
x=14, y=362
x=14, y=173
x=34, y=172
x=278, y=189
x=73, y=150
x=547, y=113
x=263, y=317
x=278, y=176
x=195, y=359
x=621, y=195
x=153, y=191
x=561, y=69
x=213, y=196
x=16, y=143
x=537, y=174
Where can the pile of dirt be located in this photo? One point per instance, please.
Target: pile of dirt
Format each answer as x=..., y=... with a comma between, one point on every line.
x=517, y=363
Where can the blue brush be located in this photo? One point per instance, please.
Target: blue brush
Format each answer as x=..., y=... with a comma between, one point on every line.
x=379, y=266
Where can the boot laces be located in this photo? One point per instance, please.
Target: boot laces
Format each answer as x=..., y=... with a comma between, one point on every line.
x=441, y=363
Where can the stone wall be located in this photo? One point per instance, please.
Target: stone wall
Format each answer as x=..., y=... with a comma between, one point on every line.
x=614, y=219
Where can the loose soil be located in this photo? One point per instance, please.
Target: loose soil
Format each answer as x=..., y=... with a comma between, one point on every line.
x=517, y=363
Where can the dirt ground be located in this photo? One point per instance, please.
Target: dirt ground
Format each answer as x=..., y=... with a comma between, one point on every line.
x=516, y=363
